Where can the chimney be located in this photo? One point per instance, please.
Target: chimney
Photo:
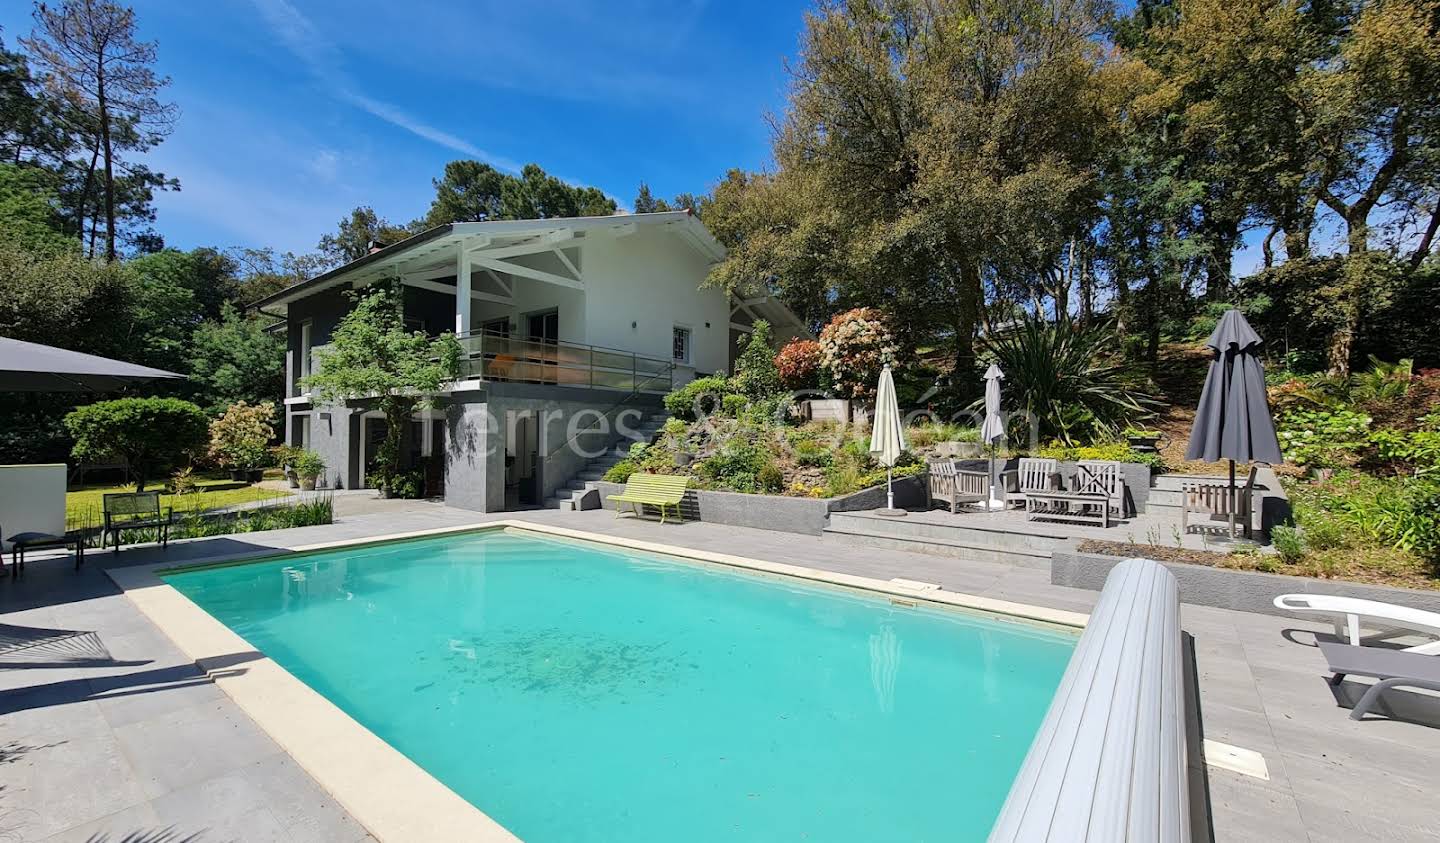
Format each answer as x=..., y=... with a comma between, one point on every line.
x=375, y=246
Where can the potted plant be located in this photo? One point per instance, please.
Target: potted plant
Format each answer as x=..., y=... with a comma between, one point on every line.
x=285, y=458
x=308, y=466
x=1142, y=440
x=240, y=439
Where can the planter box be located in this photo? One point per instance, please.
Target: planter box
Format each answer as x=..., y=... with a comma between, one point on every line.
x=960, y=450
x=807, y=516
x=1242, y=591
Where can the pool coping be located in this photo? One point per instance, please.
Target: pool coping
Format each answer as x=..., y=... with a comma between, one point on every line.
x=363, y=772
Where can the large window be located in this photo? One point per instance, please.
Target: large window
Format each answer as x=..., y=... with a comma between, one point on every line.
x=304, y=367
x=680, y=344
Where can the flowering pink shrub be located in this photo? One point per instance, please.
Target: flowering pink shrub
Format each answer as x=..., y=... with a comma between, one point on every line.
x=799, y=363
x=853, y=348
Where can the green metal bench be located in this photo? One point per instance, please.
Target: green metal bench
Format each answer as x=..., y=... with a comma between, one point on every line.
x=135, y=511
x=658, y=490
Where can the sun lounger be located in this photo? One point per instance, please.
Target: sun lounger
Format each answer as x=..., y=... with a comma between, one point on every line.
x=1394, y=669
x=1347, y=613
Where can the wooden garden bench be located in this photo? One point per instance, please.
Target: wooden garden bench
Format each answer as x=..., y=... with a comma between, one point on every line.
x=658, y=490
x=955, y=486
x=135, y=511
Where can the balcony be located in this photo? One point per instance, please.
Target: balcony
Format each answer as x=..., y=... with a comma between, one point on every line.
x=495, y=357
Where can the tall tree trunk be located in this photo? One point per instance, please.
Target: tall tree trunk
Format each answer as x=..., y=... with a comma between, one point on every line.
x=967, y=313
x=1267, y=246
x=1224, y=235
x=1087, y=294
x=109, y=165
x=84, y=203
x=1427, y=239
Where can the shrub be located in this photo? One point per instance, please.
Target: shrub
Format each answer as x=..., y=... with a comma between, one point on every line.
x=1289, y=543
x=406, y=485
x=1068, y=380
x=737, y=465
x=239, y=439
x=1323, y=438
x=308, y=465
x=1419, y=449
x=799, y=364
x=698, y=398
x=620, y=471
x=813, y=455
x=854, y=347
x=770, y=478
x=182, y=482
x=1112, y=452
x=756, y=376
x=731, y=406
x=152, y=434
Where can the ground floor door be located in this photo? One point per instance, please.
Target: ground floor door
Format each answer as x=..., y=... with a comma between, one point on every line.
x=522, y=457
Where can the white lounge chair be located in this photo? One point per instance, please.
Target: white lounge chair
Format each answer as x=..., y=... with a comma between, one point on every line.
x=1347, y=613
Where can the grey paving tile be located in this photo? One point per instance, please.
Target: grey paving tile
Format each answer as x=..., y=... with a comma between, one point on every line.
x=141, y=695
x=53, y=786
x=305, y=810
x=136, y=820
x=225, y=808
x=1248, y=811
x=1327, y=823
x=173, y=750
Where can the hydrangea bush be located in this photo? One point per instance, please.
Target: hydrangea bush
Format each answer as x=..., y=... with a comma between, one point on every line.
x=853, y=349
x=1328, y=438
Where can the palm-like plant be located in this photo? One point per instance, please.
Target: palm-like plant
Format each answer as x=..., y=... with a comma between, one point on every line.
x=1069, y=379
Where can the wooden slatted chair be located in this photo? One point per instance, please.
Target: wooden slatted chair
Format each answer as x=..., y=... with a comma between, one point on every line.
x=1101, y=477
x=955, y=485
x=1033, y=475
x=658, y=490
x=1215, y=501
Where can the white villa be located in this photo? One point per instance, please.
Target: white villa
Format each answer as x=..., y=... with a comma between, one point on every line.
x=597, y=316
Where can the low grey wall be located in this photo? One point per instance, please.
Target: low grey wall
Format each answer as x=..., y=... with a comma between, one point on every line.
x=1223, y=588
x=807, y=516
x=1136, y=476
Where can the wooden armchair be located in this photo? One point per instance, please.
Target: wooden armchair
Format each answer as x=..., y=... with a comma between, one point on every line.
x=1033, y=475
x=955, y=486
x=1216, y=501
x=1101, y=477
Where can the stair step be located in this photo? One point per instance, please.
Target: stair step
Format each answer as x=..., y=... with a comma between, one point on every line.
x=952, y=548
x=916, y=529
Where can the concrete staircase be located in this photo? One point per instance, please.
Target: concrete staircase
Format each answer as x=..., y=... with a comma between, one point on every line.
x=581, y=492
x=1013, y=546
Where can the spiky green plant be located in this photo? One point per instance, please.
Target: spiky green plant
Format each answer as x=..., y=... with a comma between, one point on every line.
x=1069, y=378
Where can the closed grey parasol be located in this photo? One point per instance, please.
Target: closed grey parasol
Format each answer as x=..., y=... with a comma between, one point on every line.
x=1233, y=421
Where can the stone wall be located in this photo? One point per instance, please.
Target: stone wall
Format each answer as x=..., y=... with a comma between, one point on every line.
x=1223, y=588
x=807, y=516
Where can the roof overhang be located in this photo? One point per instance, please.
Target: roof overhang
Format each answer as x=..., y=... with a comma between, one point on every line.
x=497, y=237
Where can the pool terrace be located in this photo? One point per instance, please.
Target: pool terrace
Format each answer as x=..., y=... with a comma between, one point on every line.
x=107, y=746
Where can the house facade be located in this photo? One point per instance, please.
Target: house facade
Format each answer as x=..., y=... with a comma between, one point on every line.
x=572, y=331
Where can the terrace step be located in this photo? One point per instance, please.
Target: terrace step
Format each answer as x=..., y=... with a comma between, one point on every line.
x=952, y=548
x=1021, y=536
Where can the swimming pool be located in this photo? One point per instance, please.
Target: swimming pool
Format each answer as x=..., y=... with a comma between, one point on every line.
x=574, y=691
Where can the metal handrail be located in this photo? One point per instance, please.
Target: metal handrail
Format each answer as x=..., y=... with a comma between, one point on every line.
x=606, y=413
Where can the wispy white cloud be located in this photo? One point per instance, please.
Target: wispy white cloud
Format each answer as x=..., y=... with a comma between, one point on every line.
x=326, y=62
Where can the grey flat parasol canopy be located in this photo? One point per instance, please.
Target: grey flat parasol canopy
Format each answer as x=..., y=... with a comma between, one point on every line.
x=31, y=367
x=1233, y=421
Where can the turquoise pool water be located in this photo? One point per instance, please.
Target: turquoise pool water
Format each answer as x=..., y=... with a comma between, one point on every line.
x=579, y=693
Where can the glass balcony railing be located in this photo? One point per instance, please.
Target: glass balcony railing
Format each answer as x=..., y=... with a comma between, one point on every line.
x=495, y=357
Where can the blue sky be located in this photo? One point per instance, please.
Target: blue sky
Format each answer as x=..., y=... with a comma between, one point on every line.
x=295, y=111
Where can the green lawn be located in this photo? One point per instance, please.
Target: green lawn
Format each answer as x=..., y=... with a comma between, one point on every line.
x=87, y=504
